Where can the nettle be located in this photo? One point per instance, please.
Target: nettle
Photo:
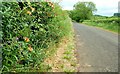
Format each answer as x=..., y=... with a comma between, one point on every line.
x=28, y=31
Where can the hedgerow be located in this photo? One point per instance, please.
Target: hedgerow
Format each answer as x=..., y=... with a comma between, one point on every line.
x=105, y=20
x=110, y=23
x=29, y=31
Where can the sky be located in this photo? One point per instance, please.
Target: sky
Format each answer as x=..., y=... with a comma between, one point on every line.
x=104, y=7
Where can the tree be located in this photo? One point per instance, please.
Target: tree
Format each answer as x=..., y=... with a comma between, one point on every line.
x=82, y=11
x=117, y=14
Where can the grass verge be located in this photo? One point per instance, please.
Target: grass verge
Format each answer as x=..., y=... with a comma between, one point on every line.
x=113, y=27
x=63, y=60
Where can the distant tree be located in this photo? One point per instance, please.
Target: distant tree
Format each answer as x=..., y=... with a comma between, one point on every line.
x=117, y=14
x=82, y=11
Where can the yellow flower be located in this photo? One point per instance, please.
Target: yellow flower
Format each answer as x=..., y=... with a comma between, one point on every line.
x=51, y=4
x=30, y=48
x=26, y=39
x=33, y=9
x=28, y=12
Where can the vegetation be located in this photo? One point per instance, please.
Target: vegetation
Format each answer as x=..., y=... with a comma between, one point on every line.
x=64, y=59
x=108, y=23
x=29, y=32
x=117, y=14
x=82, y=11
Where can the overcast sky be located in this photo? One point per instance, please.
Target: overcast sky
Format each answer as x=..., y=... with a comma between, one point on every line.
x=104, y=7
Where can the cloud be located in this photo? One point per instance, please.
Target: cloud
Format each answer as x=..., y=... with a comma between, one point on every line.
x=104, y=7
x=67, y=8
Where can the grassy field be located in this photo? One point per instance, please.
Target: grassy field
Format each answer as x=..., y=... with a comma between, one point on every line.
x=110, y=24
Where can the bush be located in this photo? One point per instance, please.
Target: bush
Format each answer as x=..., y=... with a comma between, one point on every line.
x=29, y=32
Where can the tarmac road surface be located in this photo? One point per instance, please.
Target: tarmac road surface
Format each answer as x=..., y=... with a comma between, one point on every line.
x=97, y=49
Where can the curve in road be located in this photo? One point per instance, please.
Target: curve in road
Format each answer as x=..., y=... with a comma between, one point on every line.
x=97, y=49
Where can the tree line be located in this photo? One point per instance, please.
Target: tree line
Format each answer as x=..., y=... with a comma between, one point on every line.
x=82, y=11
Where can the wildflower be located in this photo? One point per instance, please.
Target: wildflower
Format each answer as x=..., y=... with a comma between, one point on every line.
x=17, y=38
x=30, y=48
x=33, y=9
x=26, y=39
x=28, y=12
x=51, y=4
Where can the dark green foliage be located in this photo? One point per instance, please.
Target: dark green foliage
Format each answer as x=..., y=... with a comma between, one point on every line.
x=27, y=33
x=82, y=11
x=117, y=14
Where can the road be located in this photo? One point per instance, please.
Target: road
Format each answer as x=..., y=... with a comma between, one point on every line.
x=97, y=49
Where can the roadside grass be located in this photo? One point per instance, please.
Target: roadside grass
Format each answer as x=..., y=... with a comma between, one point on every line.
x=63, y=60
x=113, y=27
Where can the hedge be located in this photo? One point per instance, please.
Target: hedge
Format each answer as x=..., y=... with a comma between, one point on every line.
x=29, y=31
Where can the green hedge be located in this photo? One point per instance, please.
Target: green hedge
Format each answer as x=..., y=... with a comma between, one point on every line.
x=111, y=24
x=28, y=33
x=105, y=20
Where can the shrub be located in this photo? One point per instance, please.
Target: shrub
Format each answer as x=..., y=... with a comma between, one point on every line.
x=29, y=32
